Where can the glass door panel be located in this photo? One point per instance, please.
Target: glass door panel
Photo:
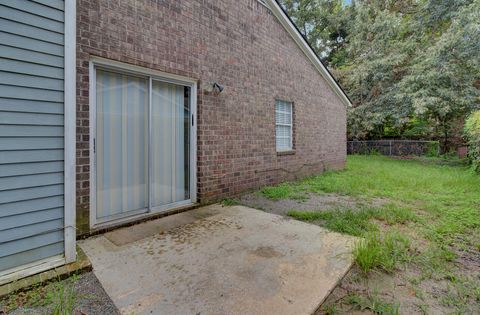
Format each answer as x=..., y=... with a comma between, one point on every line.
x=121, y=144
x=170, y=144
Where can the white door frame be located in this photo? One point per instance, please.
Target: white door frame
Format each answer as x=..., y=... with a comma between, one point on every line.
x=120, y=67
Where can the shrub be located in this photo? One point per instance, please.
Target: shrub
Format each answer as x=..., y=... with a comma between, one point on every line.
x=472, y=134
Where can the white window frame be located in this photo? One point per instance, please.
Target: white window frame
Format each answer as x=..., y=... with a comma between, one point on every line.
x=290, y=148
x=128, y=69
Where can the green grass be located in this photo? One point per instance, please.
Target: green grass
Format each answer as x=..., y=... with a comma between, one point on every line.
x=394, y=214
x=59, y=297
x=284, y=191
x=383, y=252
x=227, y=202
x=344, y=221
x=63, y=297
x=373, y=303
x=439, y=202
x=447, y=198
x=357, y=222
x=428, y=215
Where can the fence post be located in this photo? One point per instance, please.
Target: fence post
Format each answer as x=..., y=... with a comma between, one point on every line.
x=390, y=148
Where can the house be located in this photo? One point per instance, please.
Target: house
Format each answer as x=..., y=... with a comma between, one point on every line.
x=116, y=111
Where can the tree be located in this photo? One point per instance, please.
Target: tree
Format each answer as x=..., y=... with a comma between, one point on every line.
x=379, y=51
x=411, y=67
x=322, y=22
x=440, y=85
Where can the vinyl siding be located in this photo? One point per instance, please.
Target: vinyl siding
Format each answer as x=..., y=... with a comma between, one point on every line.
x=31, y=131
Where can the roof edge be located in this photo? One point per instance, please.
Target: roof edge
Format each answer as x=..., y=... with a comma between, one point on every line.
x=301, y=41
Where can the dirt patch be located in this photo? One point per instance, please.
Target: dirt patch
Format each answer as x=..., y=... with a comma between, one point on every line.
x=311, y=202
x=469, y=259
x=398, y=289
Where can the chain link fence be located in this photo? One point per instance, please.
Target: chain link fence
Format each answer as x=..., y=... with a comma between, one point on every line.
x=394, y=147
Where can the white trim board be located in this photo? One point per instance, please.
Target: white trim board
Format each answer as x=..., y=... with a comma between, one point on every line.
x=70, y=131
x=31, y=269
x=103, y=63
x=277, y=10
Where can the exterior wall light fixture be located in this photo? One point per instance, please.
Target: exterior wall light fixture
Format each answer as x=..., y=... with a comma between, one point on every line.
x=214, y=87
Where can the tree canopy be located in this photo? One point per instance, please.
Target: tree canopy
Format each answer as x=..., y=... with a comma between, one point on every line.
x=411, y=67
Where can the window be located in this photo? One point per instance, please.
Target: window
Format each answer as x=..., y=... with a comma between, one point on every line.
x=284, y=125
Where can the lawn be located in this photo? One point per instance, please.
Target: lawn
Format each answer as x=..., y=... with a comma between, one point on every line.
x=419, y=224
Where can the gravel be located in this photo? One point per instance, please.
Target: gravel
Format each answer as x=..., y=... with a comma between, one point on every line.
x=93, y=299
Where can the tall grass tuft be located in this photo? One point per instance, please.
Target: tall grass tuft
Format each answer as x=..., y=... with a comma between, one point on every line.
x=387, y=252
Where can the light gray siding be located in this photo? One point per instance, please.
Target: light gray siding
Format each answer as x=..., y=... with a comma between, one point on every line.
x=31, y=131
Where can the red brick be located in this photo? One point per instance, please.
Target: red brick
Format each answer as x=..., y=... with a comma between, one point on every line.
x=240, y=45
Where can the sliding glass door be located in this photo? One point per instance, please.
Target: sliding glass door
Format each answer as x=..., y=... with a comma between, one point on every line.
x=142, y=146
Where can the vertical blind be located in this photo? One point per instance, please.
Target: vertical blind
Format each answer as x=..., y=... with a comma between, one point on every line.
x=121, y=143
x=283, y=125
x=126, y=179
x=170, y=149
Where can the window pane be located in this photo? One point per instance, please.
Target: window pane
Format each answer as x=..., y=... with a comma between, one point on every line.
x=283, y=118
x=283, y=131
x=283, y=144
x=283, y=137
x=283, y=106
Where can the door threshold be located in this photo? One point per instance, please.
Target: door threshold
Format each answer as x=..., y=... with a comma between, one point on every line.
x=136, y=219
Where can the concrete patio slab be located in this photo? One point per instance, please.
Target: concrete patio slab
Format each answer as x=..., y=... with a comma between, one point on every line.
x=219, y=260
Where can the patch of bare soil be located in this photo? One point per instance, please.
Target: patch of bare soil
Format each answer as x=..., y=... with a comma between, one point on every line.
x=399, y=289
x=311, y=202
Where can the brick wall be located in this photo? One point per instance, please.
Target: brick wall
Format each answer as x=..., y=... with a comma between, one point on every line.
x=239, y=44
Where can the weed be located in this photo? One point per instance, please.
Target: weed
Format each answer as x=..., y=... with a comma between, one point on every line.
x=227, y=202
x=348, y=221
x=308, y=215
x=434, y=260
x=59, y=297
x=330, y=309
x=461, y=291
x=64, y=297
x=385, y=252
x=394, y=214
x=373, y=303
x=356, y=222
x=423, y=308
x=284, y=191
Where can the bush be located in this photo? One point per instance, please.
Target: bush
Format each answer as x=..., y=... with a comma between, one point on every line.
x=472, y=134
